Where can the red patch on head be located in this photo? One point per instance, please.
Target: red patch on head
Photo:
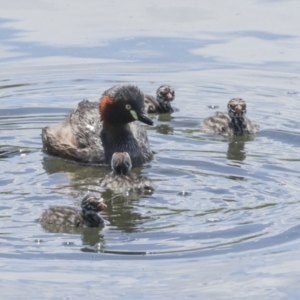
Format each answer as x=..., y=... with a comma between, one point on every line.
x=105, y=102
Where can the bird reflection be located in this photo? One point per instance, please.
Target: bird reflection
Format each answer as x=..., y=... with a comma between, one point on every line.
x=236, y=150
x=91, y=237
x=123, y=214
x=122, y=200
x=165, y=118
x=11, y=152
x=164, y=129
x=236, y=147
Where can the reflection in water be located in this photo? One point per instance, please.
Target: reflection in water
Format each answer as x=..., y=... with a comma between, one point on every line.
x=122, y=211
x=236, y=150
x=236, y=147
x=164, y=128
x=218, y=63
x=89, y=236
x=11, y=152
x=121, y=203
x=165, y=118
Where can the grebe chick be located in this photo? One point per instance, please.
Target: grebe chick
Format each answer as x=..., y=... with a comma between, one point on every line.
x=88, y=216
x=94, y=131
x=121, y=179
x=232, y=122
x=165, y=94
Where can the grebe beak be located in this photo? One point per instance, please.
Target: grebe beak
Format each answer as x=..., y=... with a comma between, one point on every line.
x=145, y=119
x=141, y=117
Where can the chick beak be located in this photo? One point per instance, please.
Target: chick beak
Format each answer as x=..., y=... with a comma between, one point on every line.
x=101, y=206
x=238, y=108
x=169, y=97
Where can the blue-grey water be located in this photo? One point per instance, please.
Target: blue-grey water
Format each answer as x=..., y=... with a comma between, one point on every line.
x=224, y=219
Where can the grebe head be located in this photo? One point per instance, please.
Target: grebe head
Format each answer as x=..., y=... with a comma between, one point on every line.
x=123, y=104
x=236, y=108
x=165, y=93
x=121, y=163
x=92, y=202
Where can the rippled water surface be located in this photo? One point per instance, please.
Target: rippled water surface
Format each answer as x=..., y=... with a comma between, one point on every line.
x=223, y=221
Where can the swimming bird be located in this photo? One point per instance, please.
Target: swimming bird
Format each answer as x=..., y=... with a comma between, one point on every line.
x=88, y=216
x=121, y=179
x=94, y=131
x=165, y=94
x=232, y=122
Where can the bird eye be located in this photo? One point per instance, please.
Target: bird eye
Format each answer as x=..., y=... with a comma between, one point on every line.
x=128, y=106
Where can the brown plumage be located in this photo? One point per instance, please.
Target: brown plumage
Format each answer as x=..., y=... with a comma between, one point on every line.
x=232, y=122
x=165, y=94
x=88, y=216
x=121, y=179
x=85, y=137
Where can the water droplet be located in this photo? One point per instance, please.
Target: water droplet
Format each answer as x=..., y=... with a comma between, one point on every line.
x=213, y=220
x=184, y=193
x=213, y=106
x=68, y=243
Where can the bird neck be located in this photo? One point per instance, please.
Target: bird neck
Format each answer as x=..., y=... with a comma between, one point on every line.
x=119, y=139
x=120, y=172
x=91, y=216
x=164, y=104
x=239, y=125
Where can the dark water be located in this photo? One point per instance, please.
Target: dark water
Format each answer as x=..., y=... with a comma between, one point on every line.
x=223, y=222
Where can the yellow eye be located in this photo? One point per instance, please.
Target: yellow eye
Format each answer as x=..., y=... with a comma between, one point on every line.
x=128, y=106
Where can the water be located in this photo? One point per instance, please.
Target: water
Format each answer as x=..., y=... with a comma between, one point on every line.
x=223, y=221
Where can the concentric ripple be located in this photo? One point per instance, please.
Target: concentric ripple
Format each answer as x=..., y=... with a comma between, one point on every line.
x=212, y=196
